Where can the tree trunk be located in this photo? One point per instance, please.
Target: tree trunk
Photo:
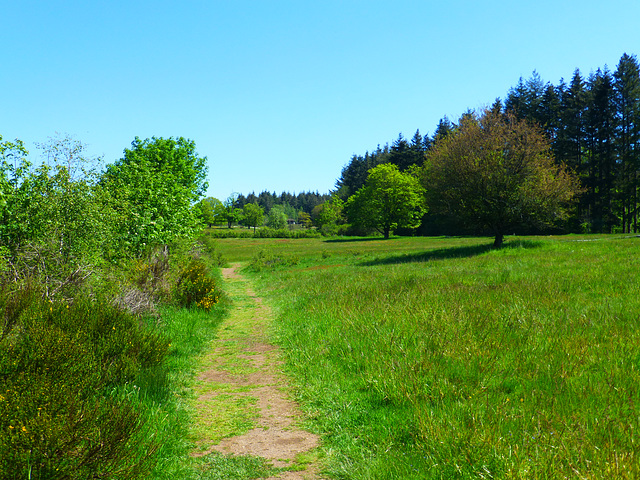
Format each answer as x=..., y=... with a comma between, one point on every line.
x=386, y=233
x=497, y=243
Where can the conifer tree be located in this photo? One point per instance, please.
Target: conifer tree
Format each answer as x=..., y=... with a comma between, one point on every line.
x=627, y=101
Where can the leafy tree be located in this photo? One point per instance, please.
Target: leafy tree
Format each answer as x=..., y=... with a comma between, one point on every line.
x=153, y=188
x=232, y=213
x=497, y=172
x=53, y=227
x=304, y=219
x=253, y=215
x=389, y=199
x=210, y=211
x=277, y=218
x=13, y=165
x=328, y=215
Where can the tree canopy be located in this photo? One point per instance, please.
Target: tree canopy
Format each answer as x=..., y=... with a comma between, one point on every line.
x=153, y=187
x=253, y=215
x=497, y=172
x=388, y=200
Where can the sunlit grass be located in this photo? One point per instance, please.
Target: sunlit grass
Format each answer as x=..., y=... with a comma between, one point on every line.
x=443, y=358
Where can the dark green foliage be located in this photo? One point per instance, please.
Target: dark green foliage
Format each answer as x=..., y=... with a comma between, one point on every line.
x=594, y=127
x=627, y=98
x=58, y=364
x=355, y=173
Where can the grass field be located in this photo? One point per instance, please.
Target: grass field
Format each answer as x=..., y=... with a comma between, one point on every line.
x=443, y=358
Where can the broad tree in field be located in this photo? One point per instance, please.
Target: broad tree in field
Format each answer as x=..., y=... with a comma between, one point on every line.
x=388, y=200
x=253, y=215
x=495, y=171
x=232, y=212
x=154, y=187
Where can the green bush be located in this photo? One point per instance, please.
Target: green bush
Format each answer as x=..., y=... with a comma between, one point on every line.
x=196, y=287
x=59, y=362
x=264, y=232
x=266, y=258
x=212, y=254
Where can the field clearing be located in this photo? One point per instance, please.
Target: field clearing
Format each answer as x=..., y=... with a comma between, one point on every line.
x=443, y=358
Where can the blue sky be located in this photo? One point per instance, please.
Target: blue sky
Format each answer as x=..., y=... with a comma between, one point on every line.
x=278, y=95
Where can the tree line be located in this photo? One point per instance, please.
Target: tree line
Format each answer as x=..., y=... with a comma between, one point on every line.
x=592, y=124
x=252, y=210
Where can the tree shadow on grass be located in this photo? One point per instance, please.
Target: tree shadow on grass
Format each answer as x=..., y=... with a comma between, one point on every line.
x=449, y=252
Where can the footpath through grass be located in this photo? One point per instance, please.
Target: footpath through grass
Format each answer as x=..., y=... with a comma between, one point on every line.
x=176, y=420
x=443, y=358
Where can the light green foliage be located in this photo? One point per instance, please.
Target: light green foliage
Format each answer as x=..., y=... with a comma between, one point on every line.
x=304, y=219
x=204, y=212
x=231, y=213
x=388, y=200
x=277, y=217
x=327, y=216
x=152, y=188
x=253, y=215
x=54, y=224
x=494, y=171
x=210, y=211
x=12, y=165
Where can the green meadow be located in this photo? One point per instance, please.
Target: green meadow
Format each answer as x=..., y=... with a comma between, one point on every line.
x=444, y=358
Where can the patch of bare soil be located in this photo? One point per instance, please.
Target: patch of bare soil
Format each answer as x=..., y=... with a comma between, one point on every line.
x=276, y=435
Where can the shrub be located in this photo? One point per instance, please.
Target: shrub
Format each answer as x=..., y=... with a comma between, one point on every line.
x=212, y=254
x=264, y=232
x=196, y=287
x=59, y=362
x=265, y=258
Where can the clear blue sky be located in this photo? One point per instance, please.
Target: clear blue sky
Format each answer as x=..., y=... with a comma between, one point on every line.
x=278, y=95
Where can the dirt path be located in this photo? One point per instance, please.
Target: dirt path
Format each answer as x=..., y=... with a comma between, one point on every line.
x=241, y=384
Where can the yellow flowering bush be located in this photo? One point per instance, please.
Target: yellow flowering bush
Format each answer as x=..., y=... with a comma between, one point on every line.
x=196, y=287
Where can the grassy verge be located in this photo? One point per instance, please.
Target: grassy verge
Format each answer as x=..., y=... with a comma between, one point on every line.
x=442, y=358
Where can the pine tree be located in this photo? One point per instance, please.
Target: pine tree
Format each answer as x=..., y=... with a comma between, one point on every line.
x=444, y=128
x=401, y=154
x=627, y=102
x=602, y=161
x=570, y=144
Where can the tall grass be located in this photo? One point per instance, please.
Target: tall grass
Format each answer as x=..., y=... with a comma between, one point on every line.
x=443, y=358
